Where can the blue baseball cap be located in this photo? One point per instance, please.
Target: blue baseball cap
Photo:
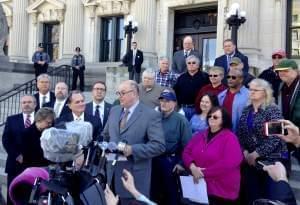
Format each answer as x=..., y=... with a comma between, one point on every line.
x=167, y=95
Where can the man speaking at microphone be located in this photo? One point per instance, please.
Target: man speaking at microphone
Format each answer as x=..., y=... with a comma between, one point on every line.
x=140, y=127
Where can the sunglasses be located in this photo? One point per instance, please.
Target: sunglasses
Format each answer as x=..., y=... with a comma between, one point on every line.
x=192, y=62
x=213, y=117
x=276, y=57
x=231, y=77
x=213, y=76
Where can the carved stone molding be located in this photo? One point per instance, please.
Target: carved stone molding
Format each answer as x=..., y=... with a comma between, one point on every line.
x=46, y=10
x=7, y=7
x=107, y=7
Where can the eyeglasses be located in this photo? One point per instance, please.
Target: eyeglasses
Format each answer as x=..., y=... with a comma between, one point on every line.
x=255, y=90
x=121, y=94
x=276, y=57
x=193, y=62
x=213, y=117
x=213, y=76
x=231, y=77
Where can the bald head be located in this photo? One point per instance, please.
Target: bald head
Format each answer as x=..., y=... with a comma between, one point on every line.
x=188, y=43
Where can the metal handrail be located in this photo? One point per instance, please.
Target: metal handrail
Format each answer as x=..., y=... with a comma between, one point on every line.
x=10, y=100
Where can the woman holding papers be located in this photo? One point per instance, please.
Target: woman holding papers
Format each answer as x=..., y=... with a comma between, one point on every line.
x=216, y=156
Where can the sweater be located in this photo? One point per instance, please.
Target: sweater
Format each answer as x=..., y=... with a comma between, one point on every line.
x=221, y=157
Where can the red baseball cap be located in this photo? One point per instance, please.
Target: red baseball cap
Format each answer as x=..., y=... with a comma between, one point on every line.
x=279, y=52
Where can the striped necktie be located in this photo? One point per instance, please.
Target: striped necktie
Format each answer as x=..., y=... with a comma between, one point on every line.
x=27, y=121
x=124, y=119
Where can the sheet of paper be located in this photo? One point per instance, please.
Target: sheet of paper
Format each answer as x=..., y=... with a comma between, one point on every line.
x=112, y=157
x=192, y=191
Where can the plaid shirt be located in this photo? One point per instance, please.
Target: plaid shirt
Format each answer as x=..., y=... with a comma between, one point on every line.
x=166, y=79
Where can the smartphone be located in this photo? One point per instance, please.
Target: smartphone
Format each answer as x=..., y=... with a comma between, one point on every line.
x=274, y=128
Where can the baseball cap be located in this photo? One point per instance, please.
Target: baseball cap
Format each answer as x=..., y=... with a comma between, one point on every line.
x=287, y=64
x=235, y=60
x=167, y=95
x=279, y=52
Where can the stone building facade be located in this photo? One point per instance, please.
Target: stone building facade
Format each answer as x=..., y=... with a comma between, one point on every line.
x=97, y=27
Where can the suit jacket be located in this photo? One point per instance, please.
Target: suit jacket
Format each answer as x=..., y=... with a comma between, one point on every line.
x=139, y=58
x=143, y=131
x=222, y=61
x=107, y=107
x=282, y=192
x=65, y=110
x=33, y=155
x=37, y=97
x=97, y=127
x=179, y=64
x=12, y=141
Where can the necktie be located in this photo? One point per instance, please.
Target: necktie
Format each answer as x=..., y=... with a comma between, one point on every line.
x=97, y=112
x=133, y=57
x=41, y=56
x=78, y=119
x=27, y=121
x=185, y=54
x=77, y=60
x=124, y=119
x=57, y=108
x=43, y=100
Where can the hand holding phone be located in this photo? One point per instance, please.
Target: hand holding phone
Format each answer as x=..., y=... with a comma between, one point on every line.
x=274, y=128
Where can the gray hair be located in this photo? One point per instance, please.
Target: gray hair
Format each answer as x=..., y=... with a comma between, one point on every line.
x=266, y=86
x=193, y=57
x=150, y=72
x=163, y=58
x=134, y=86
x=42, y=76
x=217, y=68
x=44, y=113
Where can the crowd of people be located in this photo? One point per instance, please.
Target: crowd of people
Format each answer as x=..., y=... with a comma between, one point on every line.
x=179, y=120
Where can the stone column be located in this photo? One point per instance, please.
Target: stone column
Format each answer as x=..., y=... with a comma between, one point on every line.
x=73, y=24
x=19, y=32
x=145, y=15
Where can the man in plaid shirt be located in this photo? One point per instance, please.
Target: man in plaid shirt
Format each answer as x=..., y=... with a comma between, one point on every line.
x=164, y=77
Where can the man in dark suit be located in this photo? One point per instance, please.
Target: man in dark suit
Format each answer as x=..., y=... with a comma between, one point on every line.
x=44, y=95
x=60, y=106
x=12, y=138
x=140, y=128
x=179, y=64
x=134, y=60
x=76, y=103
x=98, y=107
x=231, y=51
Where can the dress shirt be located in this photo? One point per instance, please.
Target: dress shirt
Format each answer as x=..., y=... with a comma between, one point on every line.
x=31, y=117
x=101, y=109
x=62, y=104
x=80, y=118
x=131, y=109
x=41, y=98
x=134, y=51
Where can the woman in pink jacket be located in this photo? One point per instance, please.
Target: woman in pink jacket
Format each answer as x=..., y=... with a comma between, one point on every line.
x=215, y=155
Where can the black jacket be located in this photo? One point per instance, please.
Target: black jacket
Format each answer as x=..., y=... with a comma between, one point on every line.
x=139, y=58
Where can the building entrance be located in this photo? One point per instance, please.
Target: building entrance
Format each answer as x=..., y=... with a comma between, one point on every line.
x=51, y=33
x=201, y=24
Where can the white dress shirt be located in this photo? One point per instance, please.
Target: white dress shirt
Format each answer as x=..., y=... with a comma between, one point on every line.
x=62, y=104
x=47, y=99
x=78, y=119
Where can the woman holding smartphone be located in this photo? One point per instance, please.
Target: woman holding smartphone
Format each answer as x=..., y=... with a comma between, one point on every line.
x=255, y=144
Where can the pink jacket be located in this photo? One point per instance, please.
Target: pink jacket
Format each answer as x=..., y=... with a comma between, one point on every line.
x=221, y=158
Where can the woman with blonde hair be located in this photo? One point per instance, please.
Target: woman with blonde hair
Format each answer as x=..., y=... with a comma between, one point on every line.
x=255, y=144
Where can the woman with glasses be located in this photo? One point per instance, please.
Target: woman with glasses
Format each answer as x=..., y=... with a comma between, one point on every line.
x=202, y=106
x=257, y=147
x=215, y=155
